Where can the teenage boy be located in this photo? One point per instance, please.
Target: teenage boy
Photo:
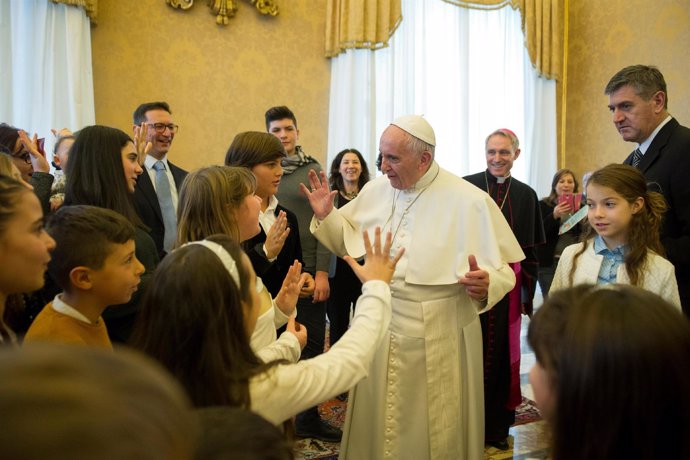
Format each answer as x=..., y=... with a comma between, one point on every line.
x=282, y=123
x=95, y=266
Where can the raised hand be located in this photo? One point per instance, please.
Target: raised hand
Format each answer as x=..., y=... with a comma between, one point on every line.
x=38, y=159
x=276, y=236
x=141, y=145
x=320, y=196
x=299, y=330
x=286, y=300
x=378, y=264
x=476, y=280
x=61, y=133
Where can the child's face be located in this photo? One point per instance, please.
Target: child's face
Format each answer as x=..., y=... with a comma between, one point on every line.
x=268, y=176
x=61, y=154
x=130, y=163
x=610, y=214
x=247, y=216
x=116, y=281
x=544, y=394
x=25, y=247
x=251, y=309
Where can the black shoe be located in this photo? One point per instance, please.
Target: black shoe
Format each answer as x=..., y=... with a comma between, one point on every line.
x=501, y=444
x=317, y=428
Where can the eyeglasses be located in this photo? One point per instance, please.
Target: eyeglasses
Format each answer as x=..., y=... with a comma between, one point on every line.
x=23, y=155
x=161, y=127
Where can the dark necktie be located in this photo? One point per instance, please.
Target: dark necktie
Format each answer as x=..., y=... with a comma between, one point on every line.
x=637, y=157
x=166, y=203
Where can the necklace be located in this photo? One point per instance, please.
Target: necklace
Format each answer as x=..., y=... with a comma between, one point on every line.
x=349, y=195
x=505, y=197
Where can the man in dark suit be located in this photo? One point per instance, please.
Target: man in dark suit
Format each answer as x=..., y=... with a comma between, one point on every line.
x=156, y=193
x=639, y=104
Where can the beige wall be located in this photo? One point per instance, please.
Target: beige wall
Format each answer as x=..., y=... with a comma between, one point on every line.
x=218, y=80
x=603, y=38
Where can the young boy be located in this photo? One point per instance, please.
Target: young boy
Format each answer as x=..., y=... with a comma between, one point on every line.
x=95, y=266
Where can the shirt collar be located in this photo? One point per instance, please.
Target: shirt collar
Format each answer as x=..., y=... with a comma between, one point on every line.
x=647, y=142
x=150, y=160
x=272, y=205
x=601, y=248
x=493, y=179
x=60, y=306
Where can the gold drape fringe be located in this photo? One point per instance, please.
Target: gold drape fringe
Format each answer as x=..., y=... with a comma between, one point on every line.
x=90, y=6
x=542, y=24
x=360, y=24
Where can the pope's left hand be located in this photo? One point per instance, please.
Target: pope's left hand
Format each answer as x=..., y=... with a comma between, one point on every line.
x=476, y=280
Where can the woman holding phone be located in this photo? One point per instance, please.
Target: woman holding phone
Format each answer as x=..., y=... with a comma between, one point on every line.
x=555, y=210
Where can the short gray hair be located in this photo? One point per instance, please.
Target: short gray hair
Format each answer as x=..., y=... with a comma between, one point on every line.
x=645, y=80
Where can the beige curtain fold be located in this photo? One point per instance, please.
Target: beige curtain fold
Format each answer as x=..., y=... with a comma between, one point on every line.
x=360, y=24
x=90, y=6
x=542, y=24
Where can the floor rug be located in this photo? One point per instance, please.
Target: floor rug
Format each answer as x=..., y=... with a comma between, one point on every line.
x=526, y=412
x=334, y=412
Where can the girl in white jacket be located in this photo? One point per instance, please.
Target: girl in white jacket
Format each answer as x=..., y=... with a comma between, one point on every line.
x=201, y=309
x=621, y=244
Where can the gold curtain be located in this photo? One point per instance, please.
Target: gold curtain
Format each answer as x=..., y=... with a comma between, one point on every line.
x=90, y=6
x=360, y=24
x=542, y=24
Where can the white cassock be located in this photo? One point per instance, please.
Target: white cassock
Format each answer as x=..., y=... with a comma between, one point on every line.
x=424, y=396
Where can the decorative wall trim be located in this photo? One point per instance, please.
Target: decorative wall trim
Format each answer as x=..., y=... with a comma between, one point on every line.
x=226, y=9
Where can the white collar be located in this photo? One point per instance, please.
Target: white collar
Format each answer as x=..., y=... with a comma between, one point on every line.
x=60, y=306
x=427, y=178
x=150, y=160
x=272, y=204
x=647, y=142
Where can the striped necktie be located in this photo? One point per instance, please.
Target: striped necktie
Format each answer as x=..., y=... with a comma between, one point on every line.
x=637, y=157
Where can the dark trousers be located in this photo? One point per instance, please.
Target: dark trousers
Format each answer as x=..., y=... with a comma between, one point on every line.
x=345, y=290
x=497, y=417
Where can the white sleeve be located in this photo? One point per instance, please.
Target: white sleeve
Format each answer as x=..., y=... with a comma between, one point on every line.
x=280, y=319
x=265, y=331
x=286, y=390
x=286, y=347
x=338, y=234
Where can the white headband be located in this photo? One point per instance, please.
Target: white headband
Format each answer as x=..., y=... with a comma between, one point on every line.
x=223, y=255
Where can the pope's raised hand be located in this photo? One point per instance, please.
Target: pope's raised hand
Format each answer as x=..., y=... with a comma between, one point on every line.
x=319, y=194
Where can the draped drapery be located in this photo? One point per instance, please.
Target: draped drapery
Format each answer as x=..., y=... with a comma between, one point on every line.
x=360, y=24
x=467, y=71
x=370, y=24
x=542, y=24
x=48, y=82
x=90, y=6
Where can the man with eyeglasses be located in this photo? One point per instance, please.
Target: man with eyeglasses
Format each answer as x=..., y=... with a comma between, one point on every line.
x=156, y=193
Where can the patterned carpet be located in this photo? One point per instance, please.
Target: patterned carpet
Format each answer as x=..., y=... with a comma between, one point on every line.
x=334, y=412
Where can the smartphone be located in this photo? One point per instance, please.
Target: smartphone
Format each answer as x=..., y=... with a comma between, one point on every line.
x=567, y=198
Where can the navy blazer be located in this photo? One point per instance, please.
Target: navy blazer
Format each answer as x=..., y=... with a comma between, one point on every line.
x=666, y=166
x=148, y=208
